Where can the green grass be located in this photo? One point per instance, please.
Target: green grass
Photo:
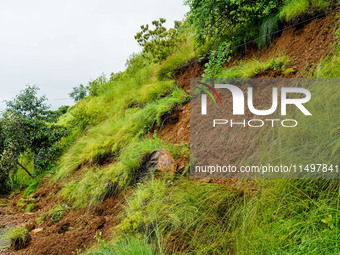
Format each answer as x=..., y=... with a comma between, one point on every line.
x=290, y=217
x=182, y=56
x=30, y=207
x=125, y=246
x=97, y=183
x=252, y=67
x=195, y=215
x=55, y=214
x=110, y=136
x=18, y=237
x=295, y=8
x=329, y=65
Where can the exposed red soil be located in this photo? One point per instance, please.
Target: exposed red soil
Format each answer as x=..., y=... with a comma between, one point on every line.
x=76, y=230
x=184, y=75
x=305, y=46
x=176, y=127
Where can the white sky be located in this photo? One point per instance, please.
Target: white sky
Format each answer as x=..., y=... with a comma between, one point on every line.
x=58, y=44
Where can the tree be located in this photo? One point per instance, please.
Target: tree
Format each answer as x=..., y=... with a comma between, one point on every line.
x=94, y=86
x=78, y=93
x=28, y=126
x=228, y=18
x=159, y=42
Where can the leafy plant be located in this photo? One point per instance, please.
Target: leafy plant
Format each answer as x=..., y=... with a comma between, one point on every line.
x=217, y=59
x=25, y=127
x=225, y=19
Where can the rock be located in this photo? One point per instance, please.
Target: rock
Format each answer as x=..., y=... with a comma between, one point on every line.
x=161, y=161
x=37, y=231
x=28, y=225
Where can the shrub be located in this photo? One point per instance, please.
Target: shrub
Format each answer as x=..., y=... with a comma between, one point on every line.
x=217, y=60
x=78, y=93
x=228, y=20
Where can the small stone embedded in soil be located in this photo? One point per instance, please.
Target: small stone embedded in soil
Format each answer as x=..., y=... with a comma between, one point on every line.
x=161, y=161
x=37, y=231
x=28, y=225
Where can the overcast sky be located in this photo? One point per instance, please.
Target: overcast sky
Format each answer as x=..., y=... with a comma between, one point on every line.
x=59, y=44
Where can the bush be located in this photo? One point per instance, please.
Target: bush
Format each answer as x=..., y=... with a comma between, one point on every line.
x=217, y=60
x=78, y=93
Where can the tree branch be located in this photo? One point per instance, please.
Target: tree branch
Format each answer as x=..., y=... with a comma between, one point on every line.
x=25, y=169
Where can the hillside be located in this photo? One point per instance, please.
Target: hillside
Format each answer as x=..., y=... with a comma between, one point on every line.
x=100, y=196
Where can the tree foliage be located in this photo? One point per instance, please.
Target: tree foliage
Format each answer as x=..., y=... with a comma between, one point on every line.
x=28, y=126
x=228, y=18
x=159, y=42
x=78, y=93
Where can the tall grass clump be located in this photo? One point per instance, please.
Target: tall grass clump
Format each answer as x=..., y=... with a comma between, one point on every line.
x=253, y=67
x=188, y=216
x=182, y=56
x=329, y=65
x=124, y=246
x=18, y=236
x=97, y=183
x=110, y=136
x=293, y=9
x=290, y=216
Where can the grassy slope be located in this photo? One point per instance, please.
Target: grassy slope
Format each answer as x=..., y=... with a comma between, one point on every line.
x=162, y=216
x=284, y=216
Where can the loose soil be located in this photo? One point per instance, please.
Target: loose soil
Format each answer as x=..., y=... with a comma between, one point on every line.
x=76, y=230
